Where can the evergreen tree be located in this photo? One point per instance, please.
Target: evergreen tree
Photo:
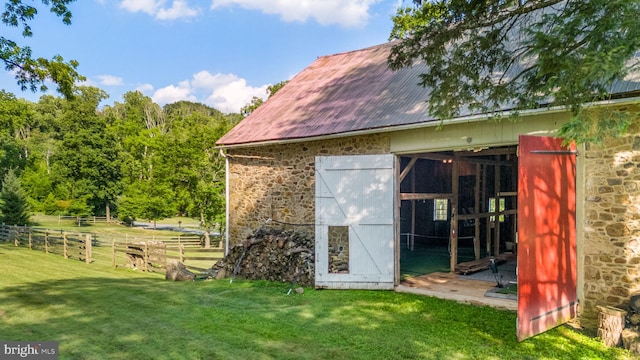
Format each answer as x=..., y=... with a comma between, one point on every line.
x=14, y=208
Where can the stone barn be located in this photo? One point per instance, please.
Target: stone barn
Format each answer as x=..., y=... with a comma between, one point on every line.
x=349, y=146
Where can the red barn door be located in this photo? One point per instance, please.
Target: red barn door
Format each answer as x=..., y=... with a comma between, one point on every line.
x=546, y=235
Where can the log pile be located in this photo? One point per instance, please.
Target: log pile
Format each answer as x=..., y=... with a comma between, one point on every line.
x=271, y=254
x=631, y=334
x=155, y=252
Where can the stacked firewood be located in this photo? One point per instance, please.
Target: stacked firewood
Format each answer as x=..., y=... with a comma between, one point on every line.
x=631, y=334
x=271, y=254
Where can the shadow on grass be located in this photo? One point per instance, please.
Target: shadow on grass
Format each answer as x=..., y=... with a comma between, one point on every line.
x=148, y=318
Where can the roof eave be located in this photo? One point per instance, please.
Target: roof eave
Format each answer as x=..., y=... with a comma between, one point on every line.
x=430, y=123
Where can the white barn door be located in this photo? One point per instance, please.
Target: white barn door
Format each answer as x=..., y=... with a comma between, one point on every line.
x=355, y=204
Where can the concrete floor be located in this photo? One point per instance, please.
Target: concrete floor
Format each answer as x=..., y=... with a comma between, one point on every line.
x=470, y=289
x=506, y=274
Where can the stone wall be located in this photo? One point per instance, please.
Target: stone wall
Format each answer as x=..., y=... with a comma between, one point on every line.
x=612, y=225
x=278, y=181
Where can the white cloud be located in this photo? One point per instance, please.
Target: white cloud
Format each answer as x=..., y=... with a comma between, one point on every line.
x=178, y=9
x=348, y=13
x=145, y=88
x=110, y=80
x=172, y=93
x=232, y=96
x=147, y=6
x=225, y=92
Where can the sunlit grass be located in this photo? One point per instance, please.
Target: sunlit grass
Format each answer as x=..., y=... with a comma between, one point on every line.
x=96, y=312
x=103, y=229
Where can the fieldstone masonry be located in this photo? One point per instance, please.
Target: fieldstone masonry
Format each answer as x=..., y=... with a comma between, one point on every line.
x=278, y=182
x=612, y=225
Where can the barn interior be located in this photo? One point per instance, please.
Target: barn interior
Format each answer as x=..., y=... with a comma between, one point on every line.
x=458, y=210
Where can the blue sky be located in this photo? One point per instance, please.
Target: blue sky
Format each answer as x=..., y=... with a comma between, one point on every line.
x=217, y=52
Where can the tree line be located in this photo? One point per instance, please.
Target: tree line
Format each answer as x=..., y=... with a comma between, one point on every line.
x=131, y=160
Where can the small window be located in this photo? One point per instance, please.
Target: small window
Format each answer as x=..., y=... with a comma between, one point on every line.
x=492, y=208
x=338, y=249
x=440, y=209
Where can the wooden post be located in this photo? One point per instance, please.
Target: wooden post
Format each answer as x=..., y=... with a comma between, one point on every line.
x=87, y=248
x=610, y=325
x=476, y=210
x=65, y=245
x=485, y=207
x=207, y=239
x=113, y=253
x=453, y=239
x=145, y=256
x=496, y=220
x=30, y=239
x=182, y=253
x=16, y=241
x=46, y=242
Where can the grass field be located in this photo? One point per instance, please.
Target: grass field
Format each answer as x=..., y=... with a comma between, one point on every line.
x=106, y=229
x=104, y=233
x=96, y=312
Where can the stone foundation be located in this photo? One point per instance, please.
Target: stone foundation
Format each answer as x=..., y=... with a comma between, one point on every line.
x=612, y=225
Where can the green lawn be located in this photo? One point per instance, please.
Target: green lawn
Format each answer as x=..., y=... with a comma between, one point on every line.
x=104, y=229
x=96, y=312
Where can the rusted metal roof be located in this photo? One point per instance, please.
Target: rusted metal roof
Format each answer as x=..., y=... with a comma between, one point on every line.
x=343, y=93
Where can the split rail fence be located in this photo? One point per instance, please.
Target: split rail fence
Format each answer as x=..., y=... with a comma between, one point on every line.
x=153, y=255
x=146, y=253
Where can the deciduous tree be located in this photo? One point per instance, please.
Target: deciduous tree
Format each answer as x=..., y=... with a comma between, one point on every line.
x=31, y=72
x=521, y=54
x=257, y=101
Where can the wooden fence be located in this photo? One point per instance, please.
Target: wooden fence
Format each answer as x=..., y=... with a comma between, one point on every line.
x=154, y=255
x=146, y=253
x=70, y=245
x=85, y=220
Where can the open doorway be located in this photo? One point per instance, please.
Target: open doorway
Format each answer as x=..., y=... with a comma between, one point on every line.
x=458, y=213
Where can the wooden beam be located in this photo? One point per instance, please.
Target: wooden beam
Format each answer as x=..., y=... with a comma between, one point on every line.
x=492, y=151
x=486, y=214
x=496, y=243
x=454, y=216
x=406, y=170
x=413, y=210
x=476, y=210
x=424, y=196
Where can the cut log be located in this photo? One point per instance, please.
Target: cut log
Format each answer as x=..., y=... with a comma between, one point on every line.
x=610, y=325
x=176, y=271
